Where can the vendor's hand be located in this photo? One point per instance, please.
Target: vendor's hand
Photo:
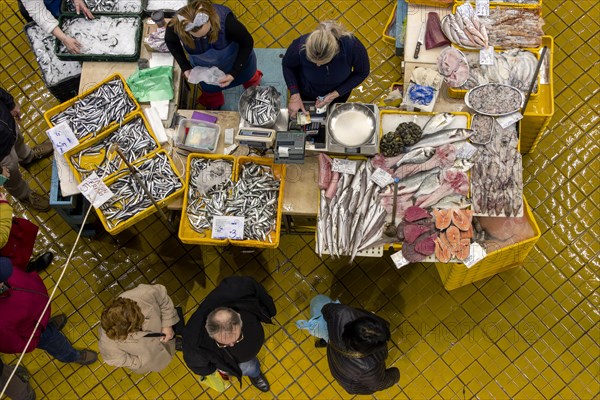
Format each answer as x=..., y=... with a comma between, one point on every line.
x=327, y=100
x=225, y=81
x=295, y=104
x=16, y=112
x=187, y=74
x=80, y=6
x=169, y=334
x=72, y=45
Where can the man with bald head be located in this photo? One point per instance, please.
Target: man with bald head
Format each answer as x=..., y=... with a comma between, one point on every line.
x=226, y=334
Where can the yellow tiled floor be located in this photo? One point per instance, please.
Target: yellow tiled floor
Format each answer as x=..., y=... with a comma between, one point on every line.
x=527, y=333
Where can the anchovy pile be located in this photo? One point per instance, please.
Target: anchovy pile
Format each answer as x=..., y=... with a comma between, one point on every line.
x=353, y=219
x=130, y=199
x=260, y=105
x=134, y=140
x=93, y=113
x=254, y=196
x=103, y=35
x=124, y=6
x=53, y=70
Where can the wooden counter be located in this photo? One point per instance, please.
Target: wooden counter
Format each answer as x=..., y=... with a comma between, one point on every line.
x=301, y=193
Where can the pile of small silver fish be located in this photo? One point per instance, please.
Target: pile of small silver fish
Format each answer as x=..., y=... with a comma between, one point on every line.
x=514, y=27
x=260, y=105
x=494, y=99
x=94, y=112
x=123, y=6
x=497, y=176
x=115, y=35
x=130, y=199
x=353, y=219
x=209, y=190
x=254, y=196
x=465, y=28
x=514, y=67
x=53, y=69
x=134, y=140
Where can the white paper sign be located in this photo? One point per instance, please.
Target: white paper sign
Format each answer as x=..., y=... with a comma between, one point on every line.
x=399, y=260
x=486, y=56
x=507, y=120
x=466, y=9
x=62, y=137
x=482, y=8
x=476, y=253
x=467, y=150
x=225, y=227
x=229, y=136
x=344, y=166
x=382, y=178
x=94, y=190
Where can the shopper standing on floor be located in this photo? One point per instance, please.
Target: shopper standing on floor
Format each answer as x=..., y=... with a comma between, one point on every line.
x=226, y=333
x=137, y=331
x=14, y=151
x=19, y=387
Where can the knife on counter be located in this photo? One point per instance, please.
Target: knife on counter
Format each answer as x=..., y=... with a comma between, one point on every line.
x=420, y=40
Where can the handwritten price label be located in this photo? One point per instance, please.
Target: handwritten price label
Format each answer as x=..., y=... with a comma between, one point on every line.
x=382, y=178
x=344, y=166
x=62, y=137
x=482, y=8
x=225, y=227
x=95, y=191
x=487, y=56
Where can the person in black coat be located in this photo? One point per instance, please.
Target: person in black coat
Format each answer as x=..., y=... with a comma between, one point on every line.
x=225, y=332
x=357, y=349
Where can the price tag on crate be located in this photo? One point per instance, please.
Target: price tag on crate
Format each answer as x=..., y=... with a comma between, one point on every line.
x=344, y=166
x=486, y=56
x=62, y=137
x=399, y=260
x=382, y=178
x=476, y=254
x=482, y=8
x=226, y=227
x=95, y=191
x=507, y=120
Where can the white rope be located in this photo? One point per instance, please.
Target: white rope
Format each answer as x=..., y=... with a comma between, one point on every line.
x=64, y=269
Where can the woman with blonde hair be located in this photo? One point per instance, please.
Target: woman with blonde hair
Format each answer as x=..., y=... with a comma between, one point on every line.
x=324, y=66
x=209, y=35
x=136, y=330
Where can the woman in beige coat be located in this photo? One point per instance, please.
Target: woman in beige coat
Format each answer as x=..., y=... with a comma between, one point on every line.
x=136, y=330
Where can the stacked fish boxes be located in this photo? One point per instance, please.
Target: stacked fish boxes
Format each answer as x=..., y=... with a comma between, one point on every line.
x=113, y=117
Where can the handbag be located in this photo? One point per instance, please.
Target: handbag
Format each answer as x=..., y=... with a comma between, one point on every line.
x=19, y=245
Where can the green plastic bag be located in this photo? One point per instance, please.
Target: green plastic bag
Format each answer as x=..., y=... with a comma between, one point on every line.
x=214, y=381
x=152, y=84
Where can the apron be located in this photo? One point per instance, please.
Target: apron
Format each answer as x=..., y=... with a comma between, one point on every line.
x=211, y=57
x=53, y=6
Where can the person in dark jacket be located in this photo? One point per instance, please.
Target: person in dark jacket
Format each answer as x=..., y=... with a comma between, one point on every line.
x=225, y=333
x=357, y=349
x=14, y=150
x=324, y=66
x=203, y=34
x=19, y=387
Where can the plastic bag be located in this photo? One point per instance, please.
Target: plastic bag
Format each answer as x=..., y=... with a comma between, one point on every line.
x=423, y=89
x=210, y=75
x=156, y=41
x=316, y=325
x=152, y=84
x=214, y=382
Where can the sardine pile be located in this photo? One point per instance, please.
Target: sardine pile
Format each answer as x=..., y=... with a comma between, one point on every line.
x=254, y=196
x=122, y=6
x=53, y=69
x=494, y=99
x=103, y=35
x=130, y=199
x=353, y=219
x=260, y=105
x=134, y=140
x=93, y=113
x=497, y=176
x=511, y=27
x=513, y=67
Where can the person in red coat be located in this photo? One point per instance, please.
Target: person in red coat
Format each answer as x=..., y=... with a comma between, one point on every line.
x=23, y=297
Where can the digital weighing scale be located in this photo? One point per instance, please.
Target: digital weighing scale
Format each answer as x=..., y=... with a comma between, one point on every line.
x=263, y=138
x=362, y=135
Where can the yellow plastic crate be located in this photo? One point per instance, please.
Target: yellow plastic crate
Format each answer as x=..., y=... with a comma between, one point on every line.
x=279, y=171
x=540, y=110
x=93, y=164
x=456, y=275
x=431, y=3
x=63, y=106
x=146, y=212
x=384, y=113
x=391, y=20
x=186, y=233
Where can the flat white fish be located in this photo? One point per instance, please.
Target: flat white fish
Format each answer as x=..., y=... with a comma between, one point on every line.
x=437, y=123
x=442, y=137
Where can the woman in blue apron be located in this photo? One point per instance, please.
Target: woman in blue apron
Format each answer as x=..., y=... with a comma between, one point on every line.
x=45, y=12
x=203, y=34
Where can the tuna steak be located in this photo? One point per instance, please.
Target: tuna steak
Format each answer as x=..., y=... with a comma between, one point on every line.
x=415, y=213
x=412, y=232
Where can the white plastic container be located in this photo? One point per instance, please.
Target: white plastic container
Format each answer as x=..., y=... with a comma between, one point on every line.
x=197, y=136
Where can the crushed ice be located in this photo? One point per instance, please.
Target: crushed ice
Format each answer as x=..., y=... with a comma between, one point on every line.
x=103, y=35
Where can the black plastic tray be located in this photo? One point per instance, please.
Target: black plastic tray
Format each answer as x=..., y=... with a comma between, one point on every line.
x=101, y=57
